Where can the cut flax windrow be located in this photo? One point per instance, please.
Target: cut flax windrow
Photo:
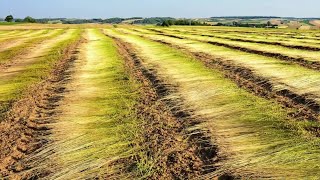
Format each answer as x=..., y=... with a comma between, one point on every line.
x=278, y=42
x=309, y=59
x=288, y=40
x=23, y=129
x=95, y=131
x=16, y=41
x=20, y=33
x=254, y=136
x=299, y=80
x=169, y=145
x=29, y=69
x=301, y=107
x=21, y=48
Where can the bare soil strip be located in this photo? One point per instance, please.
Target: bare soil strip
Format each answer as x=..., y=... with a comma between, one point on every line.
x=301, y=61
x=185, y=153
x=25, y=128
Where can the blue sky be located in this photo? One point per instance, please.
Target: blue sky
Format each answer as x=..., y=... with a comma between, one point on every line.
x=152, y=8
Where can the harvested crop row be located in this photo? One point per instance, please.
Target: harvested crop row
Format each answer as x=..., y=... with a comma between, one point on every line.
x=24, y=46
x=14, y=34
x=15, y=41
x=6, y=32
x=302, y=108
x=24, y=126
x=266, y=38
x=96, y=128
x=110, y=142
x=296, y=79
x=235, y=117
x=275, y=33
x=263, y=36
x=308, y=59
x=167, y=142
x=287, y=43
x=32, y=68
x=293, y=36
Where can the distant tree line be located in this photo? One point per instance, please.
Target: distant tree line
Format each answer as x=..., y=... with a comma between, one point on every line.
x=183, y=22
x=27, y=19
x=245, y=17
x=252, y=25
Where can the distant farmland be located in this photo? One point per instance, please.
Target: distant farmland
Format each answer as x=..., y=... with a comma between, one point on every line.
x=148, y=102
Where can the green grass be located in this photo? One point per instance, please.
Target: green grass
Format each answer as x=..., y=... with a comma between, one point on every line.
x=254, y=135
x=12, y=89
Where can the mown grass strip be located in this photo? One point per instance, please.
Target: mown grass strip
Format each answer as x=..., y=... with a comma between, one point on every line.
x=297, y=79
x=12, y=53
x=12, y=89
x=255, y=137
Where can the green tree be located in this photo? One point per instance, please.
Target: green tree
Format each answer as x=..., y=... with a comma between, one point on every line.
x=9, y=18
x=165, y=23
x=29, y=19
x=269, y=23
